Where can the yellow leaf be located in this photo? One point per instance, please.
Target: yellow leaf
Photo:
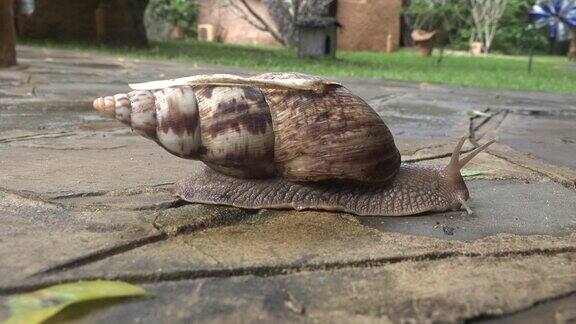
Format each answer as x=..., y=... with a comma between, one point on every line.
x=38, y=306
x=471, y=172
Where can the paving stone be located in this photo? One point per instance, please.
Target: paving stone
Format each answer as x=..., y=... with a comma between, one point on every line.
x=41, y=116
x=141, y=198
x=82, y=197
x=89, y=162
x=557, y=173
x=452, y=290
x=422, y=130
x=556, y=310
x=278, y=242
x=499, y=207
x=548, y=137
x=36, y=235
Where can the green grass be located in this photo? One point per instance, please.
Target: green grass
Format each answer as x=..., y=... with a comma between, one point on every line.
x=549, y=73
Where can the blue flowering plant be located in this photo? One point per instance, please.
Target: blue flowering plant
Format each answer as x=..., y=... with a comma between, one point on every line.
x=558, y=15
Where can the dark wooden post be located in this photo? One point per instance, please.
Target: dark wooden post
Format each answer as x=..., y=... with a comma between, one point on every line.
x=100, y=19
x=7, y=34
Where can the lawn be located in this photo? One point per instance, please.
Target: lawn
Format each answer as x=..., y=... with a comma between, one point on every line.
x=549, y=73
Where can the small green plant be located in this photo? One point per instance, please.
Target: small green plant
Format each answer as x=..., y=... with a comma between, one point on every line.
x=176, y=13
x=515, y=34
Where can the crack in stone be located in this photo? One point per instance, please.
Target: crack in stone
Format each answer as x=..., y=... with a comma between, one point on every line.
x=102, y=254
x=164, y=205
x=428, y=147
x=176, y=203
x=387, y=97
x=270, y=271
x=480, y=318
x=567, y=183
x=155, y=224
x=479, y=131
x=36, y=136
x=116, y=192
x=83, y=148
x=547, y=113
x=30, y=195
x=487, y=122
x=474, y=137
x=221, y=219
x=432, y=157
x=164, y=232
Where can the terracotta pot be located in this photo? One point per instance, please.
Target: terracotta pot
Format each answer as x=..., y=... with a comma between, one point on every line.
x=475, y=48
x=425, y=48
x=424, y=40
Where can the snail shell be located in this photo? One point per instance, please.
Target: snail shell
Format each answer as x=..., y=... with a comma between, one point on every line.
x=290, y=128
x=254, y=131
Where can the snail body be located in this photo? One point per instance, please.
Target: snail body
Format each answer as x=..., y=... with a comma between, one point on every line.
x=285, y=140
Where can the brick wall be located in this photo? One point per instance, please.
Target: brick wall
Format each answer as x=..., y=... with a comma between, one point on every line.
x=367, y=24
x=76, y=20
x=231, y=28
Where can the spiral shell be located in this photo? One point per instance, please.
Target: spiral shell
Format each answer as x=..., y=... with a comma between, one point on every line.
x=258, y=132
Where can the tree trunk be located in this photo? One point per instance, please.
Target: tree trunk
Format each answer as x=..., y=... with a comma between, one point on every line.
x=7, y=34
x=137, y=8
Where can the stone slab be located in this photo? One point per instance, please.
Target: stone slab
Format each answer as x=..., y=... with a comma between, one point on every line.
x=87, y=162
x=523, y=208
x=454, y=290
x=84, y=198
x=556, y=310
x=282, y=241
x=36, y=235
x=548, y=137
x=41, y=116
x=140, y=198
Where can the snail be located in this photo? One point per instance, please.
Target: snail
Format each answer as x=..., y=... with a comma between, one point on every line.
x=286, y=140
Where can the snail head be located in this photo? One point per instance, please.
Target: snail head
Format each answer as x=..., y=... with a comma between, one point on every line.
x=453, y=181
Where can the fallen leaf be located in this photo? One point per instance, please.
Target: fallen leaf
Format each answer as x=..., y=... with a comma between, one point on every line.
x=471, y=172
x=40, y=305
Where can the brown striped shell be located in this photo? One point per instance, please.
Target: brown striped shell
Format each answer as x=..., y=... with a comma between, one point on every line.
x=259, y=132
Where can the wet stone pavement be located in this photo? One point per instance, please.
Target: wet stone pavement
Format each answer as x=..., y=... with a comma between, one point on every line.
x=84, y=198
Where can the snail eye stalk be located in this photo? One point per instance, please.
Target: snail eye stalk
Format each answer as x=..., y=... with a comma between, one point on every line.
x=456, y=163
x=472, y=154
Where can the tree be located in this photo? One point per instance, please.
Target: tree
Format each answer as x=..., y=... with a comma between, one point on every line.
x=284, y=13
x=485, y=17
x=7, y=34
x=137, y=9
x=163, y=16
x=451, y=16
